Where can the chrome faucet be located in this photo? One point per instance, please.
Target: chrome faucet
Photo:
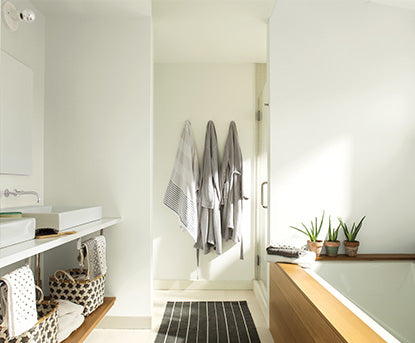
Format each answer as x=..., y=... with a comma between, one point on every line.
x=17, y=193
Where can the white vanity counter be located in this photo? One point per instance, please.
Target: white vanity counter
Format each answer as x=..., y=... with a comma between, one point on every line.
x=21, y=251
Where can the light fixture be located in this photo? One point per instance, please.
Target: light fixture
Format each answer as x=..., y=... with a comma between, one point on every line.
x=12, y=17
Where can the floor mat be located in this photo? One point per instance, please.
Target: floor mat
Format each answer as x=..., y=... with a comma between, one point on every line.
x=207, y=322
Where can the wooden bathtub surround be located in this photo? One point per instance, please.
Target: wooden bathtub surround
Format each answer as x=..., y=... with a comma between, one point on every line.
x=303, y=311
x=368, y=257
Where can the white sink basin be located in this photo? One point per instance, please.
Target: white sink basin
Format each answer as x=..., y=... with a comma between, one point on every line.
x=16, y=230
x=61, y=218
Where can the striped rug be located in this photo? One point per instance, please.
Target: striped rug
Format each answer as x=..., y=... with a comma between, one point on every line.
x=207, y=322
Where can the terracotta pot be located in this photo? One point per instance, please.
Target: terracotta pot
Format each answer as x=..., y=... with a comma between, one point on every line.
x=351, y=248
x=332, y=248
x=315, y=246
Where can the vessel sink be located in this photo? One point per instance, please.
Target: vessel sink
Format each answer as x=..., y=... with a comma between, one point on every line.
x=62, y=218
x=16, y=230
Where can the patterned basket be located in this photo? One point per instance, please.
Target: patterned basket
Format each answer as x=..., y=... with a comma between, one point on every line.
x=45, y=330
x=73, y=285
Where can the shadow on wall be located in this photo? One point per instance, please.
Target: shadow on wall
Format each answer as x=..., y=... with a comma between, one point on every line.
x=342, y=123
x=350, y=166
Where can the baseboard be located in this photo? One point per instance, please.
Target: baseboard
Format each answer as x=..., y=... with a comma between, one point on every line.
x=202, y=284
x=260, y=292
x=125, y=323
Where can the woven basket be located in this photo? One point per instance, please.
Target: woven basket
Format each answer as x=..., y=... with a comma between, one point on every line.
x=73, y=285
x=45, y=330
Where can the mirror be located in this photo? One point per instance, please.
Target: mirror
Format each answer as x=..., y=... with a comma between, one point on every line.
x=16, y=111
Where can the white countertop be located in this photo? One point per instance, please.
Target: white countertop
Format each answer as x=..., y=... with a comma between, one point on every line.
x=21, y=251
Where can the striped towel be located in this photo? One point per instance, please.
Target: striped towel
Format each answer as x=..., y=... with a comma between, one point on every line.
x=181, y=193
x=18, y=301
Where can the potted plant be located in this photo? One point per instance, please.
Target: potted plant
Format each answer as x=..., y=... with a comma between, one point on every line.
x=350, y=243
x=313, y=243
x=332, y=245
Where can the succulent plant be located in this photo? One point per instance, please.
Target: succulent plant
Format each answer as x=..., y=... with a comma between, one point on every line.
x=314, y=229
x=351, y=234
x=333, y=233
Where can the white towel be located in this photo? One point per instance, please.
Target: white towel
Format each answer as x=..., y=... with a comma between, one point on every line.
x=306, y=261
x=68, y=324
x=68, y=307
x=181, y=193
x=18, y=301
x=94, y=251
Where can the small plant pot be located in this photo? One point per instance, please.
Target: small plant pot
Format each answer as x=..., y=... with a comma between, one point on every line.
x=351, y=248
x=315, y=246
x=332, y=248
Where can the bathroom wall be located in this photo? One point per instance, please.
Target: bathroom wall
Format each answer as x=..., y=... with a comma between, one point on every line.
x=27, y=45
x=342, y=118
x=199, y=92
x=98, y=134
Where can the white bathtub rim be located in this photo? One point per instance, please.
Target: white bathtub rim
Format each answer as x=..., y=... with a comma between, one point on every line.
x=382, y=332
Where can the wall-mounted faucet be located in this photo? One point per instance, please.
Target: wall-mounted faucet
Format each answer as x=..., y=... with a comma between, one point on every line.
x=17, y=193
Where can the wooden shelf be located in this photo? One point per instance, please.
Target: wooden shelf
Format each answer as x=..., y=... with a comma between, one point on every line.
x=368, y=257
x=20, y=251
x=90, y=322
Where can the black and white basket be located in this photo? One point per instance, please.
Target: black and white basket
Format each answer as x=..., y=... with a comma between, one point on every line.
x=45, y=330
x=74, y=286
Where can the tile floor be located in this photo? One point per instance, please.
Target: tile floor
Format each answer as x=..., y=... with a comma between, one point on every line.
x=160, y=300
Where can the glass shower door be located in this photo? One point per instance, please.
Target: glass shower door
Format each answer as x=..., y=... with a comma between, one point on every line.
x=262, y=215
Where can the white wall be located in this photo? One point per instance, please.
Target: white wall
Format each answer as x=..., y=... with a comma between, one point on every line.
x=213, y=31
x=27, y=45
x=342, y=118
x=98, y=134
x=200, y=92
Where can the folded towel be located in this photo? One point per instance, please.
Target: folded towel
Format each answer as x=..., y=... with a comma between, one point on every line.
x=68, y=307
x=289, y=244
x=181, y=193
x=18, y=301
x=306, y=261
x=68, y=324
x=94, y=251
x=294, y=253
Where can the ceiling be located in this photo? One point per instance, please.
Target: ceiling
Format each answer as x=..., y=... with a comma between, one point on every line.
x=103, y=8
x=211, y=30
x=406, y=4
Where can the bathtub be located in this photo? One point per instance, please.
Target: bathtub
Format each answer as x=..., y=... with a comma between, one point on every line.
x=343, y=301
x=382, y=294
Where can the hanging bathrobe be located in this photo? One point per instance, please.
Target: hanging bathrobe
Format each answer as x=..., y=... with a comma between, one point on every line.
x=181, y=194
x=210, y=235
x=231, y=188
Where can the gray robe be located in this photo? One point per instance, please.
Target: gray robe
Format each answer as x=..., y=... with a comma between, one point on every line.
x=231, y=188
x=209, y=234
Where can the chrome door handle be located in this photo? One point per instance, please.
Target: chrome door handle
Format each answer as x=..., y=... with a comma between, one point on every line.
x=262, y=194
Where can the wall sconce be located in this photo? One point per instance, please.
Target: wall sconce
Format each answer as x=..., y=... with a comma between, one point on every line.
x=12, y=17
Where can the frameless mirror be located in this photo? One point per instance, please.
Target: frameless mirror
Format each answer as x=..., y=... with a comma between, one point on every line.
x=16, y=111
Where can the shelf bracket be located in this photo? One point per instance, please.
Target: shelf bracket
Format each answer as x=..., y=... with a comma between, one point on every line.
x=78, y=244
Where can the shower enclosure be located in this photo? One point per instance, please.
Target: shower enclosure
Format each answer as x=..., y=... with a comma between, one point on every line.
x=262, y=203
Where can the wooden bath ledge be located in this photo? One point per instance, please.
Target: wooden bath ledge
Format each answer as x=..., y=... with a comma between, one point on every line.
x=302, y=310
x=368, y=257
